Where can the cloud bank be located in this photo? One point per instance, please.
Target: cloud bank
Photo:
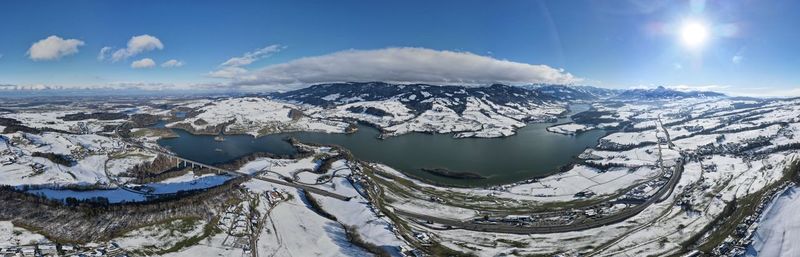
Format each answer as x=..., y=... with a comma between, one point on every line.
x=397, y=65
x=53, y=48
x=117, y=85
x=136, y=45
x=688, y=88
x=143, y=63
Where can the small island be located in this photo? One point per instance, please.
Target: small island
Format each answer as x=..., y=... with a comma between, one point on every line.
x=442, y=172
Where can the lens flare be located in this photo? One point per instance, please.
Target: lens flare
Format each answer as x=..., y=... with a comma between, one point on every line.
x=694, y=34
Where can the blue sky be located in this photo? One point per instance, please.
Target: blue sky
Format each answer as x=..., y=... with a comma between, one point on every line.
x=607, y=43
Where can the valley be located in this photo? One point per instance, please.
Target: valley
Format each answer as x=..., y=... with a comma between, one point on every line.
x=399, y=170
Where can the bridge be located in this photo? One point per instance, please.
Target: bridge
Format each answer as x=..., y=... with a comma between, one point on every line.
x=180, y=160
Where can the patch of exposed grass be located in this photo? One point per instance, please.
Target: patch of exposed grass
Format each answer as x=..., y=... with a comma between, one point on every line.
x=517, y=244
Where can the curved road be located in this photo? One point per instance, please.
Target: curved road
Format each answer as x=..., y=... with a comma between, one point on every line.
x=235, y=173
x=594, y=223
x=659, y=196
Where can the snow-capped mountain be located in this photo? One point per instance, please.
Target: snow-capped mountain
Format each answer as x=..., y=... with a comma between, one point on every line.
x=572, y=93
x=492, y=111
x=661, y=93
x=489, y=111
x=418, y=97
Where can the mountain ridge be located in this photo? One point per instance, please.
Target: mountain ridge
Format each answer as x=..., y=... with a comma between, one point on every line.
x=333, y=94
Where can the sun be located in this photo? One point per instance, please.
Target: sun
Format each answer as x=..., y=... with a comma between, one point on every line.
x=694, y=34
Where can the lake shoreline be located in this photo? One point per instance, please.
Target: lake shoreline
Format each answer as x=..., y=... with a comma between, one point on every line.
x=532, y=152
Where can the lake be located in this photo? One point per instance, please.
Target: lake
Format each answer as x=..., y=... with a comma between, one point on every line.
x=532, y=152
x=119, y=195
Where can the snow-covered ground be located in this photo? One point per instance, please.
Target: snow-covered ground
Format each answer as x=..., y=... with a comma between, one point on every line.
x=11, y=235
x=51, y=119
x=292, y=228
x=719, y=168
x=779, y=228
x=256, y=116
x=568, y=128
x=91, y=154
x=161, y=236
x=480, y=119
x=726, y=154
x=395, y=112
x=260, y=116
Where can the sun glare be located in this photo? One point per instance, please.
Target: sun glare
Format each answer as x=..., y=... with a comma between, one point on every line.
x=694, y=34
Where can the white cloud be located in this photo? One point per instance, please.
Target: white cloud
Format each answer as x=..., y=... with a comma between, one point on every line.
x=136, y=45
x=737, y=59
x=228, y=72
x=253, y=56
x=116, y=85
x=172, y=64
x=766, y=91
x=53, y=48
x=10, y=87
x=103, y=53
x=232, y=68
x=689, y=88
x=398, y=65
x=143, y=63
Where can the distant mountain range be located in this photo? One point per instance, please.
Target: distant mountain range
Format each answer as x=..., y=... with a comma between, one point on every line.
x=661, y=93
x=572, y=93
x=489, y=111
x=418, y=96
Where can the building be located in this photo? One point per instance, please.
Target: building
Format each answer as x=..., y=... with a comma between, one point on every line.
x=68, y=249
x=28, y=251
x=7, y=252
x=47, y=249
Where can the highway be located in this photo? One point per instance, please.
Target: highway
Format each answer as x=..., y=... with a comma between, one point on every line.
x=236, y=173
x=593, y=223
x=659, y=196
x=266, y=179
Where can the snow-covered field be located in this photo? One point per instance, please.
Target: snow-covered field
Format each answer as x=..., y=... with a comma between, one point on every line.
x=779, y=227
x=91, y=154
x=568, y=128
x=51, y=119
x=719, y=167
x=260, y=116
x=11, y=235
x=292, y=228
x=726, y=154
x=257, y=116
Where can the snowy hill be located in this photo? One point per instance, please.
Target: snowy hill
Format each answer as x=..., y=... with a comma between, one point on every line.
x=492, y=111
x=418, y=97
x=661, y=93
x=573, y=93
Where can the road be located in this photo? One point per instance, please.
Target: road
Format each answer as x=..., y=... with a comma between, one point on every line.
x=236, y=173
x=468, y=225
x=659, y=196
x=593, y=223
x=266, y=179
